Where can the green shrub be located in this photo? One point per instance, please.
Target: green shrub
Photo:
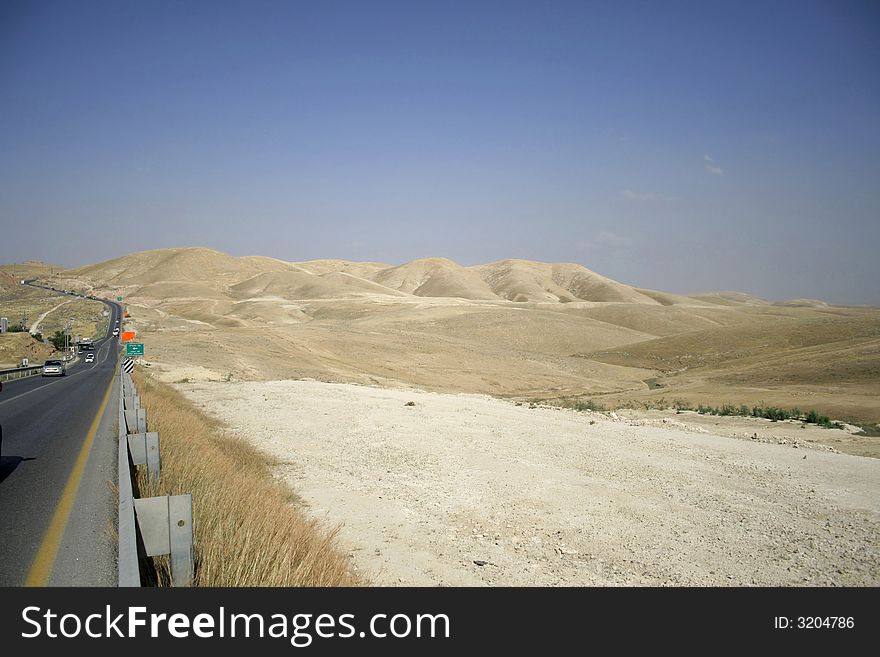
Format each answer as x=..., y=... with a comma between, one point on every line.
x=772, y=413
x=589, y=405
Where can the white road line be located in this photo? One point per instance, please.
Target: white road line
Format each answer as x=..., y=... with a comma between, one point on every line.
x=61, y=379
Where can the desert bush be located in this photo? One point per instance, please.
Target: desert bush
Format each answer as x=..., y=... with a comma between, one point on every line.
x=589, y=405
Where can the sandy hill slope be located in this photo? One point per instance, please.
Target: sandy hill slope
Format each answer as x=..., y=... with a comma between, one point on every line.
x=29, y=269
x=769, y=334
x=803, y=303
x=525, y=280
x=730, y=299
x=206, y=273
x=653, y=320
x=15, y=346
x=178, y=290
x=435, y=277
x=360, y=269
x=301, y=285
x=668, y=299
x=197, y=265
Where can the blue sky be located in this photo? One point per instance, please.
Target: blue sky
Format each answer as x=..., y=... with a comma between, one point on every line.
x=683, y=146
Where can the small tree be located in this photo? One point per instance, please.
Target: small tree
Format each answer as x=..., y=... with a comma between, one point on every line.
x=57, y=340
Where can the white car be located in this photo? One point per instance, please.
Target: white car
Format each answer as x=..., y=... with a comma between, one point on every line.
x=115, y=332
x=54, y=368
x=90, y=358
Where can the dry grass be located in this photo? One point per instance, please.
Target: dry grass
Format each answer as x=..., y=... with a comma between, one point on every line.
x=247, y=531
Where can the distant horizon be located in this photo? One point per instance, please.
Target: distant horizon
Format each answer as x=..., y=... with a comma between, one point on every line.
x=7, y=266
x=687, y=145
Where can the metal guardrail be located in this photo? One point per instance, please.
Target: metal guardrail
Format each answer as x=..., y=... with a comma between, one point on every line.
x=148, y=526
x=20, y=372
x=13, y=373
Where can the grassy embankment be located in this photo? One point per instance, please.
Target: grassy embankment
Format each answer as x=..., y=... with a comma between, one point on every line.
x=248, y=530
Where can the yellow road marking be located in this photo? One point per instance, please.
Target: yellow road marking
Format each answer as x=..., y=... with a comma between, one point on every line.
x=41, y=568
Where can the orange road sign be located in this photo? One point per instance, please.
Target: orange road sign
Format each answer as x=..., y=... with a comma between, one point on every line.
x=128, y=335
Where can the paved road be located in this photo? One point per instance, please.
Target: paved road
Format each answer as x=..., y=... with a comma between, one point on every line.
x=57, y=472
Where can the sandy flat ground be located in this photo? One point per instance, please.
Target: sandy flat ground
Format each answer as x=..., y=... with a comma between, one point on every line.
x=471, y=490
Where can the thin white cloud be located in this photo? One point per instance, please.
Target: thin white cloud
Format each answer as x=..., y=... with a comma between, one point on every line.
x=616, y=240
x=646, y=196
x=712, y=166
x=604, y=240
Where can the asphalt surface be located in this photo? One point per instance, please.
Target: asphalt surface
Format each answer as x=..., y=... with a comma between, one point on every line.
x=45, y=424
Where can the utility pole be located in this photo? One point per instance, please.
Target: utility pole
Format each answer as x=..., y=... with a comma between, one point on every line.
x=67, y=328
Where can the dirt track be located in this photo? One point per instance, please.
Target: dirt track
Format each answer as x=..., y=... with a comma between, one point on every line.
x=553, y=497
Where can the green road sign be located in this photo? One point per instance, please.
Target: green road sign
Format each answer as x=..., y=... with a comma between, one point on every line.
x=119, y=298
x=134, y=349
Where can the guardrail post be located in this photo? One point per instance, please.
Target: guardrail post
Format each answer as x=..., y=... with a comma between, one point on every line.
x=136, y=420
x=165, y=524
x=181, y=525
x=144, y=448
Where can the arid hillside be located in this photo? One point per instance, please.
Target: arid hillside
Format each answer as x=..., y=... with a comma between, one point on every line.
x=514, y=328
x=42, y=312
x=15, y=346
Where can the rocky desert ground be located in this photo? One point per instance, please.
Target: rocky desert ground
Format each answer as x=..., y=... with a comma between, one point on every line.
x=443, y=489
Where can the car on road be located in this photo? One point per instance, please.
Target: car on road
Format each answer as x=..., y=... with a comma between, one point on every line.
x=90, y=358
x=115, y=332
x=54, y=368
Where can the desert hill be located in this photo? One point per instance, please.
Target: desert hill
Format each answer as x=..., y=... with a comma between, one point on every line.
x=299, y=284
x=242, y=277
x=361, y=269
x=524, y=280
x=29, y=268
x=514, y=328
x=15, y=346
x=435, y=277
x=200, y=265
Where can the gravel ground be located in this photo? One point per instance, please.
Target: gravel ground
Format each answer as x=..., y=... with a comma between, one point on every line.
x=471, y=490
